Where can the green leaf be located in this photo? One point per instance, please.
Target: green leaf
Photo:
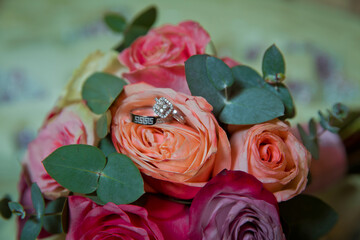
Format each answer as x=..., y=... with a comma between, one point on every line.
x=17, y=209
x=273, y=64
x=120, y=182
x=102, y=125
x=252, y=105
x=340, y=111
x=52, y=221
x=307, y=217
x=37, y=200
x=65, y=216
x=107, y=146
x=246, y=77
x=284, y=94
x=31, y=228
x=139, y=27
x=146, y=18
x=115, y=22
x=200, y=84
x=309, y=141
x=312, y=128
x=95, y=199
x=4, y=207
x=219, y=73
x=76, y=167
x=325, y=123
x=100, y=90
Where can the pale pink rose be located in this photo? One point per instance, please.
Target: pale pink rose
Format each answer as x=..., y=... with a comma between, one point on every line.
x=172, y=156
x=72, y=125
x=91, y=221
x=158, y=57
x=332, y=163
x=272, y=154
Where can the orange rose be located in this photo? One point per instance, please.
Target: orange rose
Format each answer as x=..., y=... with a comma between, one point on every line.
x=175, y=159
x=272, y=154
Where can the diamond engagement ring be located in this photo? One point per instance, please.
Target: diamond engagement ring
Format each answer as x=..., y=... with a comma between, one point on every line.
x=164, y=112
x=165, y=109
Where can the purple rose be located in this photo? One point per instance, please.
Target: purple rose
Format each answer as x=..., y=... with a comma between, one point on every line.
x=234, y=205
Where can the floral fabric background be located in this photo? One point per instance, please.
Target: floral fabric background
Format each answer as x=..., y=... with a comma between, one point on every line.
x=43, y=42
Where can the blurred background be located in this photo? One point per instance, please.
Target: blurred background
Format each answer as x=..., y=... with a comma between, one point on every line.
x=42, y=42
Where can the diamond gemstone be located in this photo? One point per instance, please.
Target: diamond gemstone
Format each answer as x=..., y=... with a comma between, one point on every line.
x=162, y=107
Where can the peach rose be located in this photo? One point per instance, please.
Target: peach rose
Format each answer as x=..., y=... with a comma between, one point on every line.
x=176, y=159
x=272, y=154
x=72, y=125
x=158, y=57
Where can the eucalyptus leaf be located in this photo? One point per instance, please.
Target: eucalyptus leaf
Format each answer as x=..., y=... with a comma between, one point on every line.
x=100, y=90
x=17, y=209
x=52, y=219
x=107, y=146
x=65, y=216
x=102, y=125
x=246, y=77
x=37, y=201
x=200, y=84
x=76, y=167
x=340, y=111
x=115, y=22
x=309, y=141
x=138, y=27
x=4, y=207
x=273, y=63
x=120, y=181
x=307, y=217
x=284, y=94
x=312, y=128
x=146, y=18
x=251, y=106
x=325, y=123
x=31, y=228
x=219, y=73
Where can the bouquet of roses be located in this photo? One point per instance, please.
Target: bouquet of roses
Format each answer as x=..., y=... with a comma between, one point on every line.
x=164, y=141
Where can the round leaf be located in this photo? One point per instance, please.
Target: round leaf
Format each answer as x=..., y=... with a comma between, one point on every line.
x=146, y=18
x=76, y=167
x=120, y=181
x=102, y=125
x=284, y=94
x=251, y=106
x=37, y=200
x=107, y=146
x=307, y=217
x=17, y=209
x=200, y=84
x=273, y=63
x=115, y=22
x=31, y=228
x=52, y=221
x=100, y=90
x=219, y=73
x=246, y=77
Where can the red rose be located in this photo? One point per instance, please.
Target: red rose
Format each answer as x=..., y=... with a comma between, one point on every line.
x=234, y=205
x=171, y=217
x=91, y=221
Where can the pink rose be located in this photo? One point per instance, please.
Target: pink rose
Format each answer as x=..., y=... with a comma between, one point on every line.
x=91, y=221
x=171, y=217
x=272, y=154
x=332, y=163
x=158, y=57
x=72, y=125
x=175, y=158
x=234, y=205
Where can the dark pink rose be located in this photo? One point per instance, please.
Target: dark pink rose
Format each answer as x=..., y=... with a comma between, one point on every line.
x=91, y=221
x=158, y=57
x=234, y=205
x=171, y=217
x=72, y=125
